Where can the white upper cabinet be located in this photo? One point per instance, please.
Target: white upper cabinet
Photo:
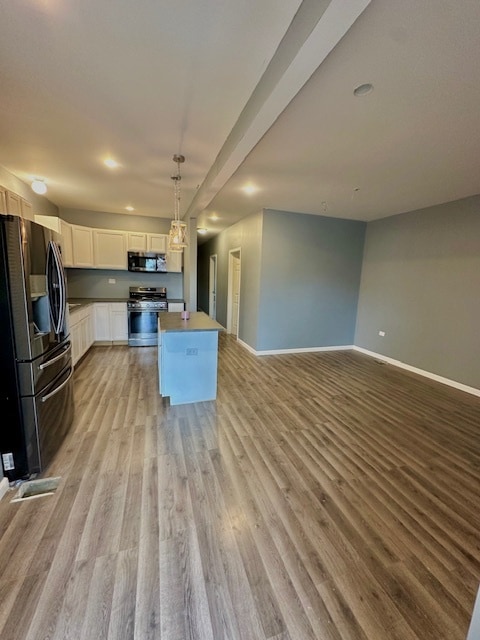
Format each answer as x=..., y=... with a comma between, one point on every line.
x=11, y=202
x=82, y=240
x=3, y=201
x=110, y=249
x=136, y=241
x=14, y=203
x=157, y=242
x=27, y=209
x=66, y=243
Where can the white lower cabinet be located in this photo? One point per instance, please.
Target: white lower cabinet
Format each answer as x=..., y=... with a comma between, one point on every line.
x=111, y=324
x=176, y=306
x=81, y=331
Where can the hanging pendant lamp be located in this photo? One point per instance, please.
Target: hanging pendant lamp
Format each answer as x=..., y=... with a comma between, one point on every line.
x=177, y=239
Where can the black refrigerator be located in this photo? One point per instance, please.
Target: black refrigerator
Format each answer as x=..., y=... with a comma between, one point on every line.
x=36, y=388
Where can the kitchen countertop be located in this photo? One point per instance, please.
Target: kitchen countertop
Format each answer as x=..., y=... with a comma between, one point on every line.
x=84, y=301
x=198, y=321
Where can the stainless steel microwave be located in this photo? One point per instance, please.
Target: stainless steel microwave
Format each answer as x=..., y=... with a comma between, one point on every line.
x=147, y=261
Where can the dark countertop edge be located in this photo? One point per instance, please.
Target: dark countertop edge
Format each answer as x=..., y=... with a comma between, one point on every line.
x=92, y=300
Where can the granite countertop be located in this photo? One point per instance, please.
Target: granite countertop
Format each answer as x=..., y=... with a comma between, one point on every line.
x=77, y=303
x=198, y=321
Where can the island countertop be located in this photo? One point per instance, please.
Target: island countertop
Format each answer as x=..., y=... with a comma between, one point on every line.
x=198, y=321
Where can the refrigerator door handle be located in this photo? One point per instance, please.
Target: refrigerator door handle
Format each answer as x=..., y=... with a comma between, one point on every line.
x=57, y=309
x=58, y=389
x=56, y=359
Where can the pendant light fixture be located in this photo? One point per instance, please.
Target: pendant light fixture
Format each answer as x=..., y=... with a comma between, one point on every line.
x=177, y=239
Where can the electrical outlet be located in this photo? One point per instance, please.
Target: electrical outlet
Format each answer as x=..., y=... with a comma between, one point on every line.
x=112, y=281
x=191, y=352
x=8, y=463
x=381, y=333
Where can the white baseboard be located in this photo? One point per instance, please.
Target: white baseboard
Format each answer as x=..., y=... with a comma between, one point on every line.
x=4, y=487
x=372, y=354
x=276, y=352
x=420, y=372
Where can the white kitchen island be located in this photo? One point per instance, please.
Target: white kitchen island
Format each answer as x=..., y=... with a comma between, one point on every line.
x=187, y=357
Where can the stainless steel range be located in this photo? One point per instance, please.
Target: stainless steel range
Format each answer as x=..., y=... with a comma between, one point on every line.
x=143, y=307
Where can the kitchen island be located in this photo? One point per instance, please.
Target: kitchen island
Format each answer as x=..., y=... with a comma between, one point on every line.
x=187, y=357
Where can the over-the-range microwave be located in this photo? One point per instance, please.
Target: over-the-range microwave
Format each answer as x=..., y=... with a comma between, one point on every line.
x=147, y=261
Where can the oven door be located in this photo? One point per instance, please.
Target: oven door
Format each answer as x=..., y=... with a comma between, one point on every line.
x=142, y=327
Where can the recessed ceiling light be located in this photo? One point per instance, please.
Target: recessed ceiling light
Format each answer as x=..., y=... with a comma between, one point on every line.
x=363, y=90
x=129, y=208
x=111, y=163
x=249, y=189
x=39, y=186
x=202, y=231
x=214, y=217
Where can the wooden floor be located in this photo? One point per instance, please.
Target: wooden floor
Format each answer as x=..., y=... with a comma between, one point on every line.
x=321, y=496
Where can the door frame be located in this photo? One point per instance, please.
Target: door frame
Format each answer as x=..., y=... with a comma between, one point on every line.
x=232, y=254
x=212, y=285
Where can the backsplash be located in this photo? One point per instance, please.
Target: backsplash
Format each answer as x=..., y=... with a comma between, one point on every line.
x=94, y=283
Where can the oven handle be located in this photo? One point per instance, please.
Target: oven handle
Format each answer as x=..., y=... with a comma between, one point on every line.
x=55, y=391
x=56, y=359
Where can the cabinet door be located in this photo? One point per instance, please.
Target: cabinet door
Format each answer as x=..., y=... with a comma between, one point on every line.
x=136, y=242
x=74, y=324
x=174, y=261
x=14, y=203
x=27, y=210
x=3, y=200
x=118, y=321
x=176, y=306
x=82, y=241
x=89, y=327
x=101, y=312
x=110, y=249
x=157, y=242
x=66, y=243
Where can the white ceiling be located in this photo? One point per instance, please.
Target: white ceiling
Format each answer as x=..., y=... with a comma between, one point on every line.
x=229, y=84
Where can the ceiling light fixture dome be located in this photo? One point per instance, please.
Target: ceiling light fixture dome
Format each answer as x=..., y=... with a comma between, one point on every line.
x=39, y=186
x=363, y=90
x=177, y=238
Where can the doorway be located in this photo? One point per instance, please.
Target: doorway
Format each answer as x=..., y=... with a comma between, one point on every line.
x=212, y=288
x=233, y=299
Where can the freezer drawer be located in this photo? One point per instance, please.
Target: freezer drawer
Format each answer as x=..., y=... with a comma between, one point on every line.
x=39, y=373
x=47, y=419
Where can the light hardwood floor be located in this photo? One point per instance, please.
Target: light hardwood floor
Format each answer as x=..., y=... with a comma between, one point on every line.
x=321, y=496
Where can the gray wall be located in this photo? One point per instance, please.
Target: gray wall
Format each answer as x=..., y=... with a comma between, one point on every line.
x=310, y=280
x=93, y=283
x=299, y=280
x=246, y=235
x=421, y=285
x=41, y=205
x=120, y=221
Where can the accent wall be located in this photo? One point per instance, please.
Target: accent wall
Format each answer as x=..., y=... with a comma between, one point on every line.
x=421, y=286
